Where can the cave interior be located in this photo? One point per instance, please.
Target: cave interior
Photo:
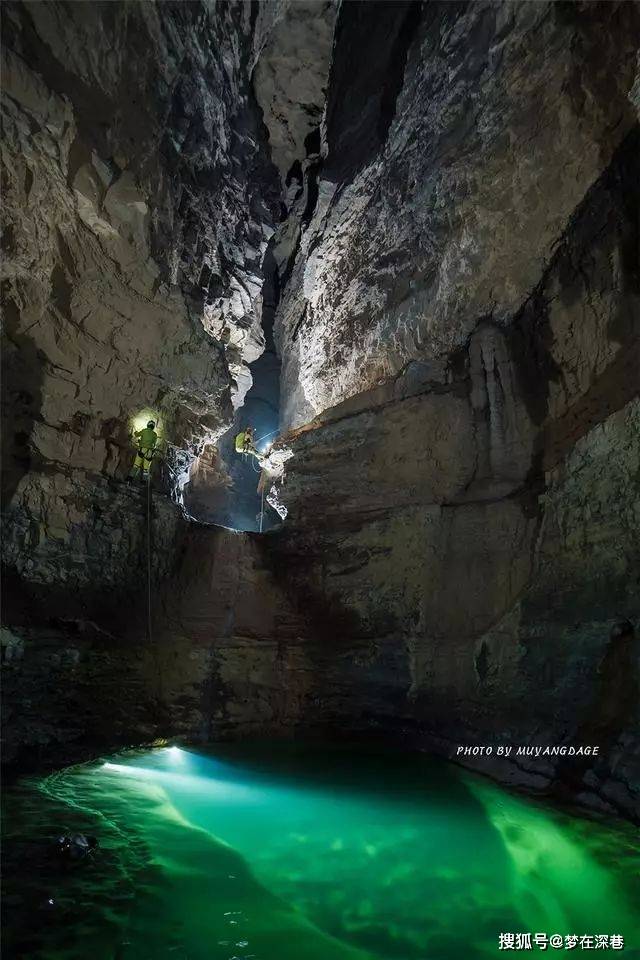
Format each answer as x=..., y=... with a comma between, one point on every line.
x=400, y=240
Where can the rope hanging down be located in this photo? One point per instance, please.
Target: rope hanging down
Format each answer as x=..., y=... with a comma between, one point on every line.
x=155, y=648
x=149, y=628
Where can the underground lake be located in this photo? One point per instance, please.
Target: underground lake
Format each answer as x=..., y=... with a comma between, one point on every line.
x=320, y=479
x=286, y=851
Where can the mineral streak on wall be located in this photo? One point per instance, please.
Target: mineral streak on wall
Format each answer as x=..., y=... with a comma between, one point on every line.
x=452, y=210
x=460, y=339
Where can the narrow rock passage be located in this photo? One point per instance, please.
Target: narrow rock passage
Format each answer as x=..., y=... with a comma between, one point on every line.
x=392, y=710
x=403, y=238
x=237, y=504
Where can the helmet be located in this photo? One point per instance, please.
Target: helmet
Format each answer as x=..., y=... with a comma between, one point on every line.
x=151, y=424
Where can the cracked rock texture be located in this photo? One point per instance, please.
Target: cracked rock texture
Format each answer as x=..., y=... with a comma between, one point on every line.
x=459, y=141
x=458, y=306
x=467, y=519
x=138, y=199
x=291, y=76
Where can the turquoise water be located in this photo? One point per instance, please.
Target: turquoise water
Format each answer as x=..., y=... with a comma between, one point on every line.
x=265, y=853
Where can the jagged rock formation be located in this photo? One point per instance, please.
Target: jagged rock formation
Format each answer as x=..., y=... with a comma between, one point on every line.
x=138, y=201
x=291, y=75
x=468, y=137
x=461, y=344
x=458, y=329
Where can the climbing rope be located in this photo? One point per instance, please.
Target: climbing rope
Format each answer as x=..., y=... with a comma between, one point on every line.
x=149, y=629
x=265, y=435
x=149, y=607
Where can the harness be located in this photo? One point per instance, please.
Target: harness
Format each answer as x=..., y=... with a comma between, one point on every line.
x=245, y=445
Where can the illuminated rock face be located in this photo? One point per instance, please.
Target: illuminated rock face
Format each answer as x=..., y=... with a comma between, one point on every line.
x=138, y=199
x=139, y=196
x=291, y=76
x=460, y=339
x=458, y=329
x=459, y=336
x=458, y=143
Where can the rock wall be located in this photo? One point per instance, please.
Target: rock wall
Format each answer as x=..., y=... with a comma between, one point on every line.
x=291, y=76
x=233, y=651
x=458, y=328
x=469, y=525
x=458, y=141
x=138, y=200
x=222, y=654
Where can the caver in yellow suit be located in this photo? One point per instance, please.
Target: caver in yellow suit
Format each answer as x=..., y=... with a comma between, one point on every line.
x=147, y=440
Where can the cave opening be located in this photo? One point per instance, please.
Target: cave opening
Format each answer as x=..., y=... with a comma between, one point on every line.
x=238, y=505
x=399, y=240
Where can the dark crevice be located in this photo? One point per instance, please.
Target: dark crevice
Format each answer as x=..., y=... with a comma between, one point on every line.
x=238, y=506
x=369, y=60
x=313, y=175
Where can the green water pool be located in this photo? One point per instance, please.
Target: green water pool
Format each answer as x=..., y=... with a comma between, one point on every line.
x=295, y=852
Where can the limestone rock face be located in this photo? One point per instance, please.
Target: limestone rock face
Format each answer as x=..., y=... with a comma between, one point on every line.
x=138, y=199
x=139, y=196
x=291, y=76
x=450, y=197
x=459, y=142
x=470, y=528
x=233, y=649
x=225, y=654
x=460, y=337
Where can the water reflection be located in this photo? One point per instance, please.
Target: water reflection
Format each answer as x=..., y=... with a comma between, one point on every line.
x=255, y=852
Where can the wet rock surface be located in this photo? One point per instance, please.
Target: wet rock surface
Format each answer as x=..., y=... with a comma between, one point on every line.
x=138, y=200
x=454, y=228
x=471, y=526
x=469, y=136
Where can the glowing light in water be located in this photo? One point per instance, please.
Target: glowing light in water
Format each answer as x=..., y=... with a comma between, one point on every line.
x=184, y=781
x=543, y=847
x=530, y=869
x=264, y=849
